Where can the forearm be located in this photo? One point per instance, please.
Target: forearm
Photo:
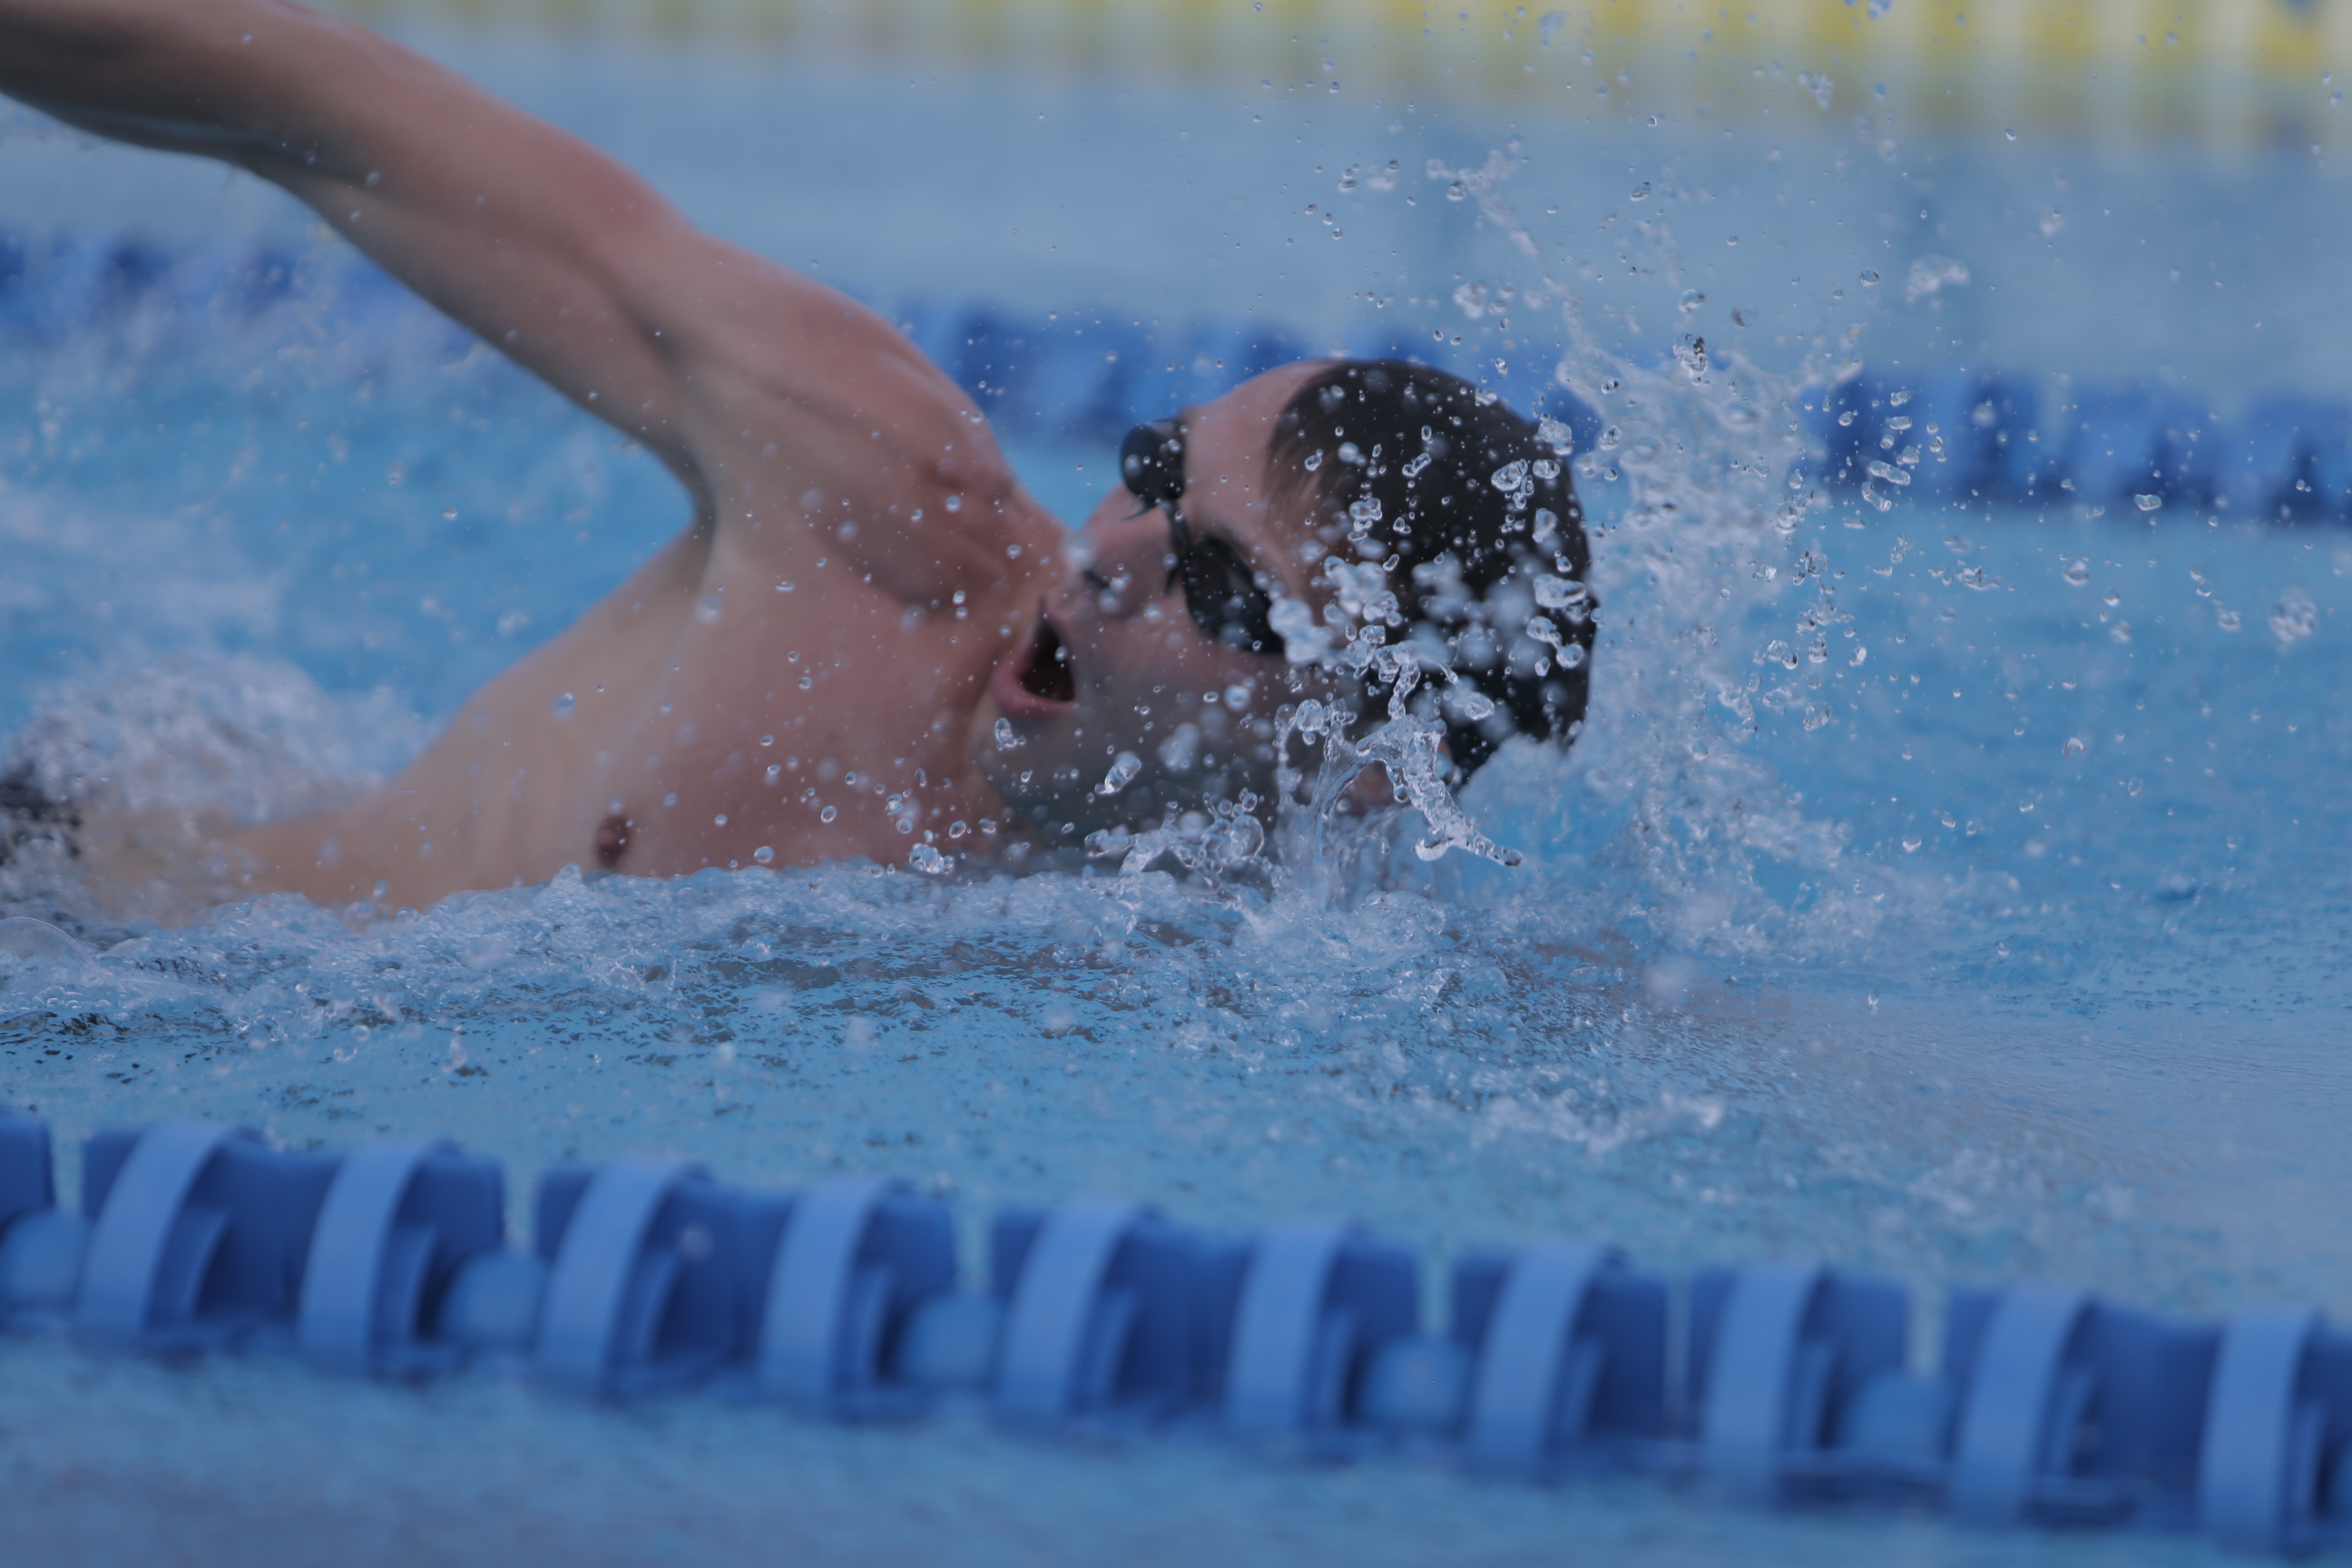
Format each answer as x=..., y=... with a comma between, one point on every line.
x=519, y=230
x=215, y=76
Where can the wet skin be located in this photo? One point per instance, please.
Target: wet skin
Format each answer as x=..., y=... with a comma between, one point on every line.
x=702, y=713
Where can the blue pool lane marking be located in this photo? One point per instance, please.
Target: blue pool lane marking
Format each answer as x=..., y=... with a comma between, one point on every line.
x=1536, y=1376
x=399, y=1217
x=2258, y=1473
x=856, y=1252
x=1974, y=432
x=2047, y=1405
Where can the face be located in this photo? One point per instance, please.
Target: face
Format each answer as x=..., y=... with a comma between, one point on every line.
x=1115, y=665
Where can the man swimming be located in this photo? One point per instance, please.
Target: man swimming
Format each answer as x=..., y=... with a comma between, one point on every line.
x=869, y=636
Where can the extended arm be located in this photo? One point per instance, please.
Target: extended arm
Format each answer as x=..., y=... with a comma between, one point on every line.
x=530, y=237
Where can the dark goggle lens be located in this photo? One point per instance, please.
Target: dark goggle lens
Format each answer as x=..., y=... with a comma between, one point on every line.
x=1151, y=462
x=1224, y=599
x=1220, y=592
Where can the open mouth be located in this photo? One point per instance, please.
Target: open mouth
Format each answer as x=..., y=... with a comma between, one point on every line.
x=1047, y=672
x=1036, y=682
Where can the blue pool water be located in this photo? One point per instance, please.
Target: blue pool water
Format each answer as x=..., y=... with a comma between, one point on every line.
x=2004, y=940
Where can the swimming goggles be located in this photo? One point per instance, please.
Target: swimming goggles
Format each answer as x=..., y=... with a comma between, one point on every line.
x=1220, y=590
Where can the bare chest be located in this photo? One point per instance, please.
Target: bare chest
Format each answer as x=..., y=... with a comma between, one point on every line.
x=797, y=738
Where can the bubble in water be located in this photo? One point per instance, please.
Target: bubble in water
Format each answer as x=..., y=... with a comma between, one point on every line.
x=1869, y=278
x=828, y=814
x=1549, y=28
x=923, y=858
x=1006, y=741
x=2147, y=502
x=2295, y=618
x=783, y=585
x=708, y=609
x=2078, y=572
x=1690, y=300
x=2075, y=746
x=1553, y=433
x=2228, y=620
x=1123, y=769
x=562, y=706
x=954, y=503
x=764, y=854
x=1931, y=275
x=1911, y=842
x=1315, y=458
x=1639, y=193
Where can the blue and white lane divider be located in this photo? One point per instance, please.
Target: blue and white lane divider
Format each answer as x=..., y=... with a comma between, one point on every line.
x=1943, y=433
x=1789, y=1382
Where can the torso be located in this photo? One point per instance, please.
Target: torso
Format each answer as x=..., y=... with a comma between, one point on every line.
x=702, y=713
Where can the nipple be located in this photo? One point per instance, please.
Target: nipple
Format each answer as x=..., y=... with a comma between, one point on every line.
x=612, y=839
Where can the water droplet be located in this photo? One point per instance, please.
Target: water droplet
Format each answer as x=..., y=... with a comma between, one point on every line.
x=719, y=820
x=2147, y=502
x=1006, y=741
x=783, y=585
x=828, y=814
x=954, y=503
x=923, y=858
x=1911, y=842
x=708, y=609
x=2075, y=746
x=2228, y=620
x=806, y=682
x=671, y=799
x=1123, y=769
x=562, y=706
x=2010, y=134
x=1639, y=193
x=1692, y=300
x=1315, y=460
x=2078, y=571
x=1869, y=278
x=764, y=854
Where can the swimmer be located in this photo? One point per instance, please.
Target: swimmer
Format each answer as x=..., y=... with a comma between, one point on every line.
x=868, y=636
